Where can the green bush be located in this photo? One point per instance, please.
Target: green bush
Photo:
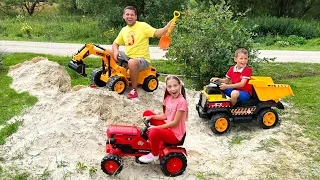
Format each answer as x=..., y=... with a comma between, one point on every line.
x=283, y=26
x=271, y=40
x=282, y=43
x=315, y=42
x=295, y=40
x=205, y=42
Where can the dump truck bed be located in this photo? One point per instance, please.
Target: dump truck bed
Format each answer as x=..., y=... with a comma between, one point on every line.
x=267, y=90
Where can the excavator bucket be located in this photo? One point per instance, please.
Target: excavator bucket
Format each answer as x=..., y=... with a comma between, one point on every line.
x=79, y=67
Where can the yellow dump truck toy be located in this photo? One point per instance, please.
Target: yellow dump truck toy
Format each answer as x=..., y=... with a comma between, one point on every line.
x=215, y=106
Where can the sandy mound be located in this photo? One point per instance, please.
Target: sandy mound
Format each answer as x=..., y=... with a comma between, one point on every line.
x=67, y=126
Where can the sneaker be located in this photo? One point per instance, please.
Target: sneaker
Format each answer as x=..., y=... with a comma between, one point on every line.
x=133, y=94
x=148, y=158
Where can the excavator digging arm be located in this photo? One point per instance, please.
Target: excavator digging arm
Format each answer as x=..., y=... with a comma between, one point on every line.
x=79, y=66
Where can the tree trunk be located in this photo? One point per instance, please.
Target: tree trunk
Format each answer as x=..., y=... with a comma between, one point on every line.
x=33, y=6
x=283, y=8
x=75, y=7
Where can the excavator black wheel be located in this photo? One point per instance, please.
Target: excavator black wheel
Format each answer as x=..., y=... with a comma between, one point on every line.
x=150, y=83
x=95, y=77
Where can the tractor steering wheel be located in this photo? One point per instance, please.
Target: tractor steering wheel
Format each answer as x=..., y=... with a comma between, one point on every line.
x=146, y=123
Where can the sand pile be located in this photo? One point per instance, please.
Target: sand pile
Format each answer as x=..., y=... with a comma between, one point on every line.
x=67, y=126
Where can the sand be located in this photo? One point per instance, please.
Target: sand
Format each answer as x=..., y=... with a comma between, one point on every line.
x=67, y=127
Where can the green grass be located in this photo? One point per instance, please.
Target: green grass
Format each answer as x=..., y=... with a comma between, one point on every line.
x=12, y=106
x=307, y=100
x=279, y=71
x=55, y=28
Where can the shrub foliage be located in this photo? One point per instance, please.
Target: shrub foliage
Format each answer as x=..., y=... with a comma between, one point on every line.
x=205, y=41
x=284, y=27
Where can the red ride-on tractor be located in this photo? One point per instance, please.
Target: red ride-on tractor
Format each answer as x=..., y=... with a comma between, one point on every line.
x=131, y=141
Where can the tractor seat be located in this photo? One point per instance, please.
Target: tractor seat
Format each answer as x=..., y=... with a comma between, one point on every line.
x=180, y=143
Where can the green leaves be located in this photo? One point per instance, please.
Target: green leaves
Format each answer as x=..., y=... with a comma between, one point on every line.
x=206, y=41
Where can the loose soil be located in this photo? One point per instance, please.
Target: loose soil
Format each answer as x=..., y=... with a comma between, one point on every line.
x=66, y=130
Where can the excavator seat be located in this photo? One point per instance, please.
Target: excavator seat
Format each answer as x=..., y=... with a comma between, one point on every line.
x=123, y=62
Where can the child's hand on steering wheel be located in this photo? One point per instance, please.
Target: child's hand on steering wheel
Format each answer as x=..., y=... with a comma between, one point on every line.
x=147, y=117
x=151, y=127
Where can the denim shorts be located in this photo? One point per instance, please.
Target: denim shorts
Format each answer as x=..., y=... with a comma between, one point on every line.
x=243, y=95
x=143, y=63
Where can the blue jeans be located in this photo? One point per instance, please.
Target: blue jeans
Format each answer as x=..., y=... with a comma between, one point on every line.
x=243, y=95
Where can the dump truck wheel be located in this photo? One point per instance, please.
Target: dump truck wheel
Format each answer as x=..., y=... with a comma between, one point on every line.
x=150, y=84
x=95, y=77
x=268, y=118
x=173, y=164
x=111, y=164
x=117, y=84
x=219, y=123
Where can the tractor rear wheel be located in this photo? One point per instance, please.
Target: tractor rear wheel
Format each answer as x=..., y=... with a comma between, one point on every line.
x=173, y=164
x=268, y=118
x=219, y=123
x=117, y=84
x=95, y=77
x=150, y=83
x=111, y=164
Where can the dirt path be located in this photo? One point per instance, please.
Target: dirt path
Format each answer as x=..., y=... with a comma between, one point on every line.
x=66, y=49
x=66, y=128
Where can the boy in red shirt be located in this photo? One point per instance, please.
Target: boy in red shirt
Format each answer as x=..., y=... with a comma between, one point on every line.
x=239, y=76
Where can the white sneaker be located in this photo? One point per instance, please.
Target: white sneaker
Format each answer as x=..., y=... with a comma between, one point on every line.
x=148, y=158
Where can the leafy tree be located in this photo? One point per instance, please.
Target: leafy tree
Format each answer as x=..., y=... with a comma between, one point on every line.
x=30, y=6
x=109, y=12
x=205, y=41
x=159, y=12
x=69, y=6
x=278, y=8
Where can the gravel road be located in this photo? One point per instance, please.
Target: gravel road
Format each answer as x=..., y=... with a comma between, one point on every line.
x=67, y=49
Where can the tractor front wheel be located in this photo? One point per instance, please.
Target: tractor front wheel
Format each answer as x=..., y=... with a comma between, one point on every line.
x=268, y=118
x=219, y=123
x=173, y=164
x=111, y=164
x=150, y=83
x=95, y=77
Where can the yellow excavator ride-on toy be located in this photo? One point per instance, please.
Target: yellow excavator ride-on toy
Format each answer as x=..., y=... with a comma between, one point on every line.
x=114, y=75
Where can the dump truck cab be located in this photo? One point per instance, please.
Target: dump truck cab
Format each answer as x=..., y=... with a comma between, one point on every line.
x=216, y=107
